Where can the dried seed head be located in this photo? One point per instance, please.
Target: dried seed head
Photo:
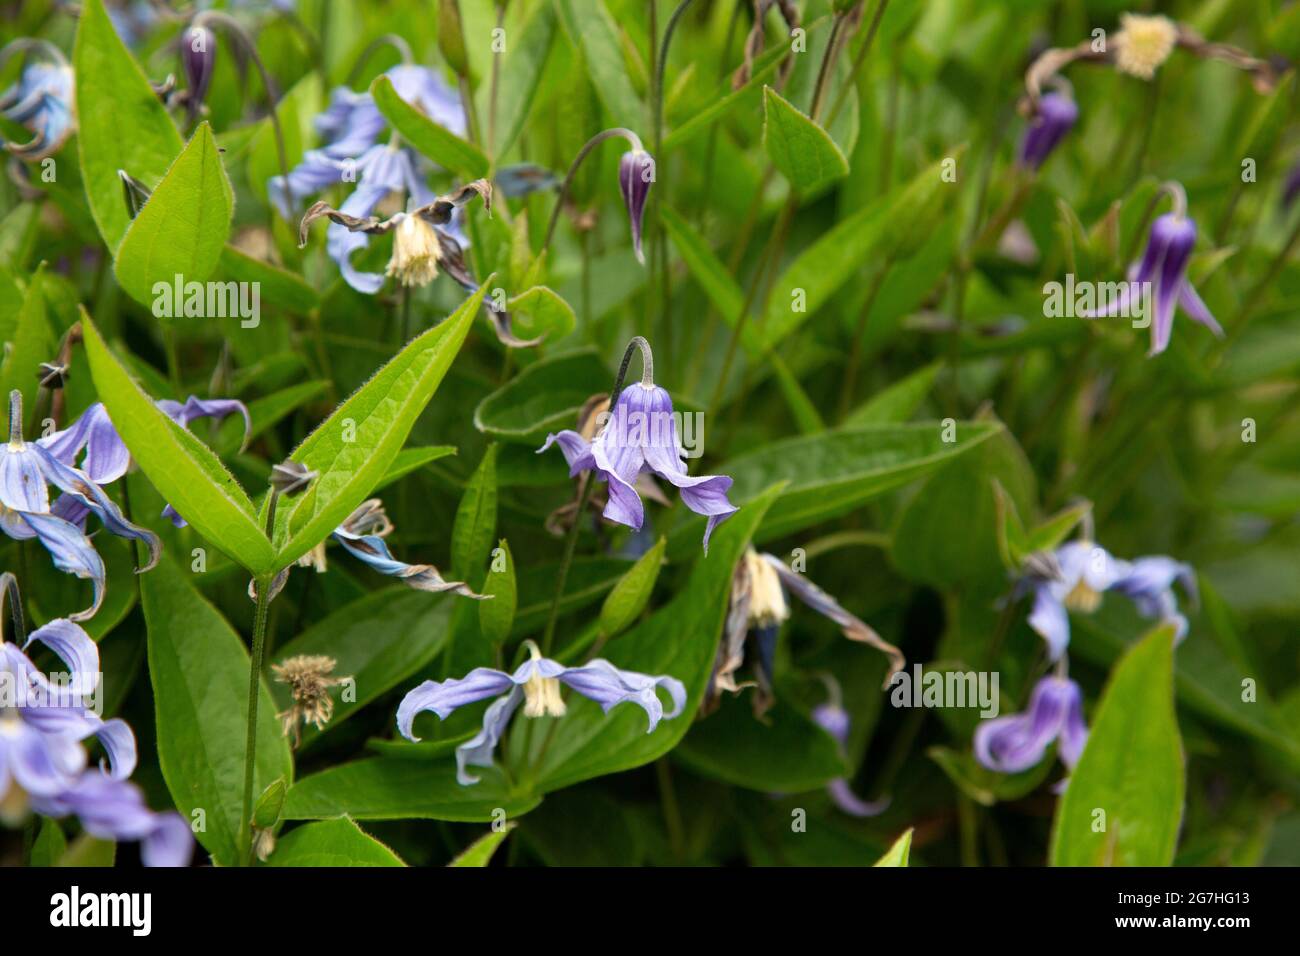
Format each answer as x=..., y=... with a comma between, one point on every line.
x=309, y=680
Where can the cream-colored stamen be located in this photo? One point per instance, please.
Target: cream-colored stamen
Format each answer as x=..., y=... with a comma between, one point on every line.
x=766, y=598
x=541, y=694
x=1143, y=44
x=1082, y=598
x=416, y=252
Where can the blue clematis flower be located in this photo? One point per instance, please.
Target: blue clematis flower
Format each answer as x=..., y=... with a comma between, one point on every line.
x=27, y=469
x=1082, y=572
x=641, y=436
x=41, y=100
x=351, y=127
x=362, y=536
x=1163, y=268
x=1017, y=742
x=107, y=458
x=834, y=719
x=536, y=685
x=43, y=761
x=759, y=607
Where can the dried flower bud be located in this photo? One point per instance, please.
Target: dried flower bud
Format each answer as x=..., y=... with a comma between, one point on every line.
x=52, y=375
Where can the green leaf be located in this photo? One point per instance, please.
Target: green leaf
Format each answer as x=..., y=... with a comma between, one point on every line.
x=924, y=548
x=592, y=30
x=1124, y=802
x=390, y=788
x=540, y=311
x=182, y=229
x=50, y=844
x=832, y=473
x=332, y=843
x=884, y=229
x=436, y=142
x=269, y=806
x=89, y=851
x=32, y=344
x=520, y=77
x=121, y=123
x=624, y=604
x=409, y=460
x=353, y=448
x=497, y=615
x=544, y=397
x=899, y=853
x=199, y=669
x=680, y=639
x=897, y=402
x=376, y=658
x=726, y=99
x=476, y=521
x=183, y=469
x=803, y=151
x=480, y=851
x=784, y=753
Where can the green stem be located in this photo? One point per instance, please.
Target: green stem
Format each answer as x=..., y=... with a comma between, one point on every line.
x=263, y=586
x=571, y=543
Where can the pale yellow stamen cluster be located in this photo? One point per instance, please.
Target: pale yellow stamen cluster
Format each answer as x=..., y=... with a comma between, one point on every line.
x=1082, y=598
x=541, y=694
x=1143, y=44
x=415, y=252
x=766, y=598
x=308, y=677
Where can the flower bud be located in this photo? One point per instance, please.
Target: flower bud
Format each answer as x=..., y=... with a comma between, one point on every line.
x=636, y=171
x=1055, y=116
x=198, y=55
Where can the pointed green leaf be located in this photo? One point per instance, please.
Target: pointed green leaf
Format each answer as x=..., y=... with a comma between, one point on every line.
x=624, y=604
x=352, y=449
x=332, y=843
x=183, y=469
x=1124, y=802
x=121, y=123
x=496, y=616
x=33, y=343
x=519, y=77
x=182, y=229
x=476, y=521
x=803, y=151
x=592, y=30
x=479, y=853
x=544, y=397
x=898, y=853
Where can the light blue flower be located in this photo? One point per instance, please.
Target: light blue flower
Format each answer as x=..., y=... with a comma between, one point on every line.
x=834, y=719
x=106, y=457
x=1016, y=742
x=27, y=469
x=535, y=684
x=40, y=101
x=1084, y=572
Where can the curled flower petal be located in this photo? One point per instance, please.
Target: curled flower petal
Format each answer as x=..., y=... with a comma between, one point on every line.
x=74, y=647
x=443, y=697
x=478, y=750
x=1017, y=742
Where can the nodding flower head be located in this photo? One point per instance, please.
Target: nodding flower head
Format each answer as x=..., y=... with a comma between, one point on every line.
x=636, y=171
x=536, y=684
x=1017, y=742
x=1054, y=116
x=198, y=56
x=1163, y=269
x=767, y=604
x=641, y=436
x=1143, y=43
x=309, y=677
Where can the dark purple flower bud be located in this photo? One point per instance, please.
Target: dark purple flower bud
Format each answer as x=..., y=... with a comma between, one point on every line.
x=1292, y=187
x=198, y=54
x=1055, y=116
x=636, y=171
